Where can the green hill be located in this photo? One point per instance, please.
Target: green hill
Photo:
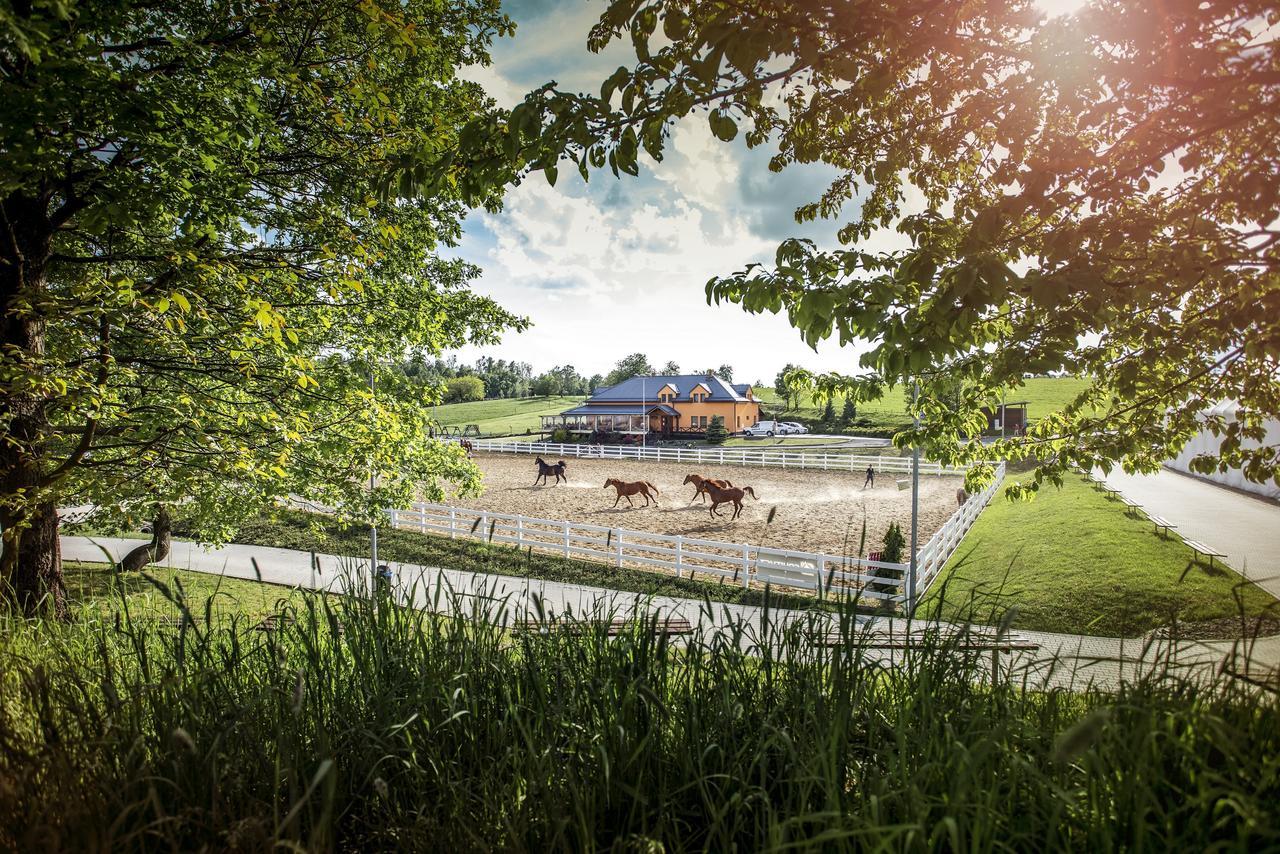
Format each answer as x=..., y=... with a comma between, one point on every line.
x=1041, y=394
x=504, y=417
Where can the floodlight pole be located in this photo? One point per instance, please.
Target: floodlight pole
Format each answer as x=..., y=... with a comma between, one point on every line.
x=915, y=505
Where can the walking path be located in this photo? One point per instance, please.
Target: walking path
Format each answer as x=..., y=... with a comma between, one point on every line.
x=1245, y=528
x=1062, y=661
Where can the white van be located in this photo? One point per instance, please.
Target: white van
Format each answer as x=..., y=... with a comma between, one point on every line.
x=764, y=428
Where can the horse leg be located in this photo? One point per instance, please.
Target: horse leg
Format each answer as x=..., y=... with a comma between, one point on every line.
x=616, y=500
x=629, y=501
x=737, y=508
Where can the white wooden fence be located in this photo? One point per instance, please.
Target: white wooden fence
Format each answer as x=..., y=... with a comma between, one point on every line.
x=742, y=563
x=943, y=543
x=825, y=460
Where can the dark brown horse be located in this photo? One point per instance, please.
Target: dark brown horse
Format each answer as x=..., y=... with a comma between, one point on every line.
x=725, y=496
x=700, y=484
x=544, y=469
x=467, y=446
x=627, y=489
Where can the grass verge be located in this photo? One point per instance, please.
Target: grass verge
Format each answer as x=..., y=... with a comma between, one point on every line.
x=1073, y=561
x=364, y=726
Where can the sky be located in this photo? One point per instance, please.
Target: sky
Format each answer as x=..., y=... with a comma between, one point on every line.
x=619, y=265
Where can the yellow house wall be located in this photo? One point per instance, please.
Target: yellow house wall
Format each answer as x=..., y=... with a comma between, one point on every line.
x=737, y=415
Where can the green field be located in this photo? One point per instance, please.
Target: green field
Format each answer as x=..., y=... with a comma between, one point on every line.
x=1042, y=395
x=96, y=591
x=1073, y=561
x=505, y=416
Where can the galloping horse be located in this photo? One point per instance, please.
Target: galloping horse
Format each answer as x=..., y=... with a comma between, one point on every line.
x=724, y=496
x=700, y=484
x=467, y=446
x=544, y=469
x=628, y=489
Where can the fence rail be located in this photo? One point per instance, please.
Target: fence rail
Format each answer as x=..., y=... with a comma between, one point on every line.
x=685, y=556
x=943, y=543
x=740, y=563
x=720, y=456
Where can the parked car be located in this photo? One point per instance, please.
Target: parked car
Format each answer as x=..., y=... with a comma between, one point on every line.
x=763, y=428
x=793, y=427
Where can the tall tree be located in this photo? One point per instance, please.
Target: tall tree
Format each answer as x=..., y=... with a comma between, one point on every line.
x=1094, y=193
x=635, y=365
x=783, y=386
x=670, y=369
x=188, y=234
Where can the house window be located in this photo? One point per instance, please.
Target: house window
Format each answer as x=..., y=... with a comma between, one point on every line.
x=702, y=421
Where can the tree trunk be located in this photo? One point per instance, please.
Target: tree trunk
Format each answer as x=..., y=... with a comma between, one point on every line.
x=154, y=551
x=32, y=562
x=31, y=565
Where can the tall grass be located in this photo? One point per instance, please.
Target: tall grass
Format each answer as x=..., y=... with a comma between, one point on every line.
x=363, y=725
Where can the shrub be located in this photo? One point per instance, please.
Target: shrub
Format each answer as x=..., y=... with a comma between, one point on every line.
x=849, y=413
x=829, y=413
x=893, y=544
x=716, y=432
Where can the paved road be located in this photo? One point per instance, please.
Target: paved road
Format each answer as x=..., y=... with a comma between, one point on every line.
x=1245, y=528
x=1063, y=660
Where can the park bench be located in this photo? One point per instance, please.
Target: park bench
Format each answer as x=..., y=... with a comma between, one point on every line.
x=1130, y=505
x=1200, y=548
x=1161, y=523
x=960, y=638
x=665, y=627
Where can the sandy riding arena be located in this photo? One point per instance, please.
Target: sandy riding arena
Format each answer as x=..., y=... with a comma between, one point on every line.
x=817, y=511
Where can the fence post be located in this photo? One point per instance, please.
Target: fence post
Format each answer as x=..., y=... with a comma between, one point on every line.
x=393, y=515
x=484, y=525
x=453, y=520
x=746, y=566
x=822, y=574
x=679, y=554
x=566, y=539
x=519, y=532
x=422, y=517
x=617, y=534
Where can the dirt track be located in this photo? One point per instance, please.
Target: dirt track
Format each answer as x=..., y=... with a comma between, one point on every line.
x=816, y=510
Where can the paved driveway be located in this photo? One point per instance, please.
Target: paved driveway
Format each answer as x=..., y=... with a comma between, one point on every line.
x=1246, y=529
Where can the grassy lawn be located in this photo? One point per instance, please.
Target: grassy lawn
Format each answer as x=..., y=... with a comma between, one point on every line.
x=94, y=590
x=291, y=529
x=505, y=416
x=1042, y=394
x=1073, y=561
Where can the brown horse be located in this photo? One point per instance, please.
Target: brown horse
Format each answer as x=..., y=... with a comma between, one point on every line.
x=467, y=446
x=961, y=496
x=724, y=496
x=544, y=469
x=700, y=484
x=626, y=490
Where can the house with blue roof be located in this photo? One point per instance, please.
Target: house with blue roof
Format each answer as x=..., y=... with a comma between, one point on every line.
x=662, y=405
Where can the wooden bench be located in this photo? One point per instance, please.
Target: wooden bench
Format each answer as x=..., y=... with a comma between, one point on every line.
x=273, y=622
x=1130, y=505
x=1161, y=523
x=957, y=638
x=1201, y=549
x=665, y=627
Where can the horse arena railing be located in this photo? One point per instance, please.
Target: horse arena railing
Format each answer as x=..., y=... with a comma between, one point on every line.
x=936, y=552
x=719, y=456
x=740, y=563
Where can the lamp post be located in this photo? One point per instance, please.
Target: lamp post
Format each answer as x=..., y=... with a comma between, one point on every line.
x=915, y=505
x=373, y=526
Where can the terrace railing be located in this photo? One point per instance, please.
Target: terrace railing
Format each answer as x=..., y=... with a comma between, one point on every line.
x=824, y=460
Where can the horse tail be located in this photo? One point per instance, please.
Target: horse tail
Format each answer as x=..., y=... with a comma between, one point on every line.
x=751, y=492
x=651, y=486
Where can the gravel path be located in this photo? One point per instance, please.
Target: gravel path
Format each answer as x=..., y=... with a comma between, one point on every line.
x=813, y=510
